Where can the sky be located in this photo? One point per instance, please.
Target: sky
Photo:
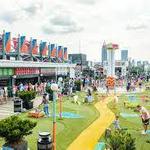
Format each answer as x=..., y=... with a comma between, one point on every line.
x=82, y=25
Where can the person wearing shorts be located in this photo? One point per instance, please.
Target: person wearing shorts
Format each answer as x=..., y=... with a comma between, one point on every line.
x=145, y=116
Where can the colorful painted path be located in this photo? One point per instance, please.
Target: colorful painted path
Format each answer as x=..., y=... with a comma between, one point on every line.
x=90, y=136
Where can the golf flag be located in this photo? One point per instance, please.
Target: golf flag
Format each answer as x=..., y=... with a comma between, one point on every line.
x=43, y=49
x=65, y=53
x=60, y=52
x=7, y=42
x=53, y=53
x=25, y=45
x=34, y=47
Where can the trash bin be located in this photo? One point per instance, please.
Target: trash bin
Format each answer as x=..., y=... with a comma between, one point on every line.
x=107, y=133
x=17, y=105
x=44, y=141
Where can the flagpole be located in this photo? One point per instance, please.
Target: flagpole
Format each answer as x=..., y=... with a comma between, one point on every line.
x=31, y=47
x=18, y=48
x=3, y=45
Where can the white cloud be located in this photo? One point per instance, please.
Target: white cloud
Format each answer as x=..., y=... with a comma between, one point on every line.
x=139, y=23
x=88, y=2
x=91, y=21
x=61, y=21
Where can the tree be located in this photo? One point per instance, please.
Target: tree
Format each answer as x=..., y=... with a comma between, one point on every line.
x=121, y=140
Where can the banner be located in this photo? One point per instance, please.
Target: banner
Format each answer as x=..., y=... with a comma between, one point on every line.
x=14, y=44
x=43, y=49
x=53, y=53
x=115, y=46
x=7, y=42
x=25, y=45
x=34, y=47
x=111, y=46
x=65, y=53
x=60, y=52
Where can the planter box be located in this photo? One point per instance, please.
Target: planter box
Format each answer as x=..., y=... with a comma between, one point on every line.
x=28, y=105
x=20, y=146
x=51, y=97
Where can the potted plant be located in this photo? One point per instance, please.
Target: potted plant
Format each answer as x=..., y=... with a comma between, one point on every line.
x=78, y=85
x=50, y=92
x=27, y=97
x=13, y=130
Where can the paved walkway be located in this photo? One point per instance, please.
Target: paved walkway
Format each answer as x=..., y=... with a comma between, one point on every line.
x=90, y=136
x=7, y=110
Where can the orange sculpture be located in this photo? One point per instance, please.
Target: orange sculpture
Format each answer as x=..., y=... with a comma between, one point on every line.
x=110, y=82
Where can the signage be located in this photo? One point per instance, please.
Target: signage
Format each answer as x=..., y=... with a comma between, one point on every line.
x=26, y=71
x=6, y=72
x=48, y=71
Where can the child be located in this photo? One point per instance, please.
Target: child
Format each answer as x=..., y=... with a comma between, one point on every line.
x=116, y=123
x=46, y=106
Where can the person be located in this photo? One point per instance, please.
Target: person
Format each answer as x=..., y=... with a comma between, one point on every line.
x=128, y=86
x=89, y=97
x=116, y=99
x=1, y=94
x=46, y=105
x=116, y=123
x=107, y=89
x=145, y=116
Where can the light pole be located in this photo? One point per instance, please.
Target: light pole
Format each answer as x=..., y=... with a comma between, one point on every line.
x=13, y=85
x=60, y=79
x=54, y=88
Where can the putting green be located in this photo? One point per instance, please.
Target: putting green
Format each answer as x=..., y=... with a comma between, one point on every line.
x=90, y=136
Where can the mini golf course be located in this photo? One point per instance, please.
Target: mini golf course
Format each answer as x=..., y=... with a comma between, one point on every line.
x=89, y=137
x=75, y=119
x=130, y=119
x=84, y=125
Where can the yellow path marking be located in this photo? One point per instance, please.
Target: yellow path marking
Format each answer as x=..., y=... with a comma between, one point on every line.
x=90, y=136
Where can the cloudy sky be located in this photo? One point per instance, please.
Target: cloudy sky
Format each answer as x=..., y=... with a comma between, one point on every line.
x=82, y=23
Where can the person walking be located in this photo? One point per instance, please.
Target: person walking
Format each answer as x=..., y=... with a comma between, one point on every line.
x=45, y=104
x=145, y=116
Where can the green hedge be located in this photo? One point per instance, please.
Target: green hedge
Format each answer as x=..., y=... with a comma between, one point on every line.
x=27, y=96
x=78, y=85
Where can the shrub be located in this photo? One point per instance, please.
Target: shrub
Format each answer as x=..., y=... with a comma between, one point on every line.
x=27, y=96
x=50, y=92
x=13, y=129
x=130, y=105
x=121, y=140
x=78, y=85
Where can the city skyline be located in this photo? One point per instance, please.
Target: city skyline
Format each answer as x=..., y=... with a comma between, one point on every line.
x=82, y=25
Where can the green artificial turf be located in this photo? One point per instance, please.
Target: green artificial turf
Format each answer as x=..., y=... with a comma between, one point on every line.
x=67, y=129
x=134, y=125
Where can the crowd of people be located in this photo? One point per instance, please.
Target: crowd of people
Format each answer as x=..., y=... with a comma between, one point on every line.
x=68, y=87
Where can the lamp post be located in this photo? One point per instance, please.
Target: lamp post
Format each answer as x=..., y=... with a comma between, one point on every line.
x=54, y=88
x=60, y=79
x=13, y=85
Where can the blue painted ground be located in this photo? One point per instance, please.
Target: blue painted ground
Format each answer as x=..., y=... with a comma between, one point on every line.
x=100, y=146
x=148, y=131
x=132, y=98
x=70, y=115
x=125, y=115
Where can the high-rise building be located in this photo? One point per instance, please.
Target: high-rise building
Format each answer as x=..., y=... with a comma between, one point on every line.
x=104, y=53
x=78, y=58
x=124, y=55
